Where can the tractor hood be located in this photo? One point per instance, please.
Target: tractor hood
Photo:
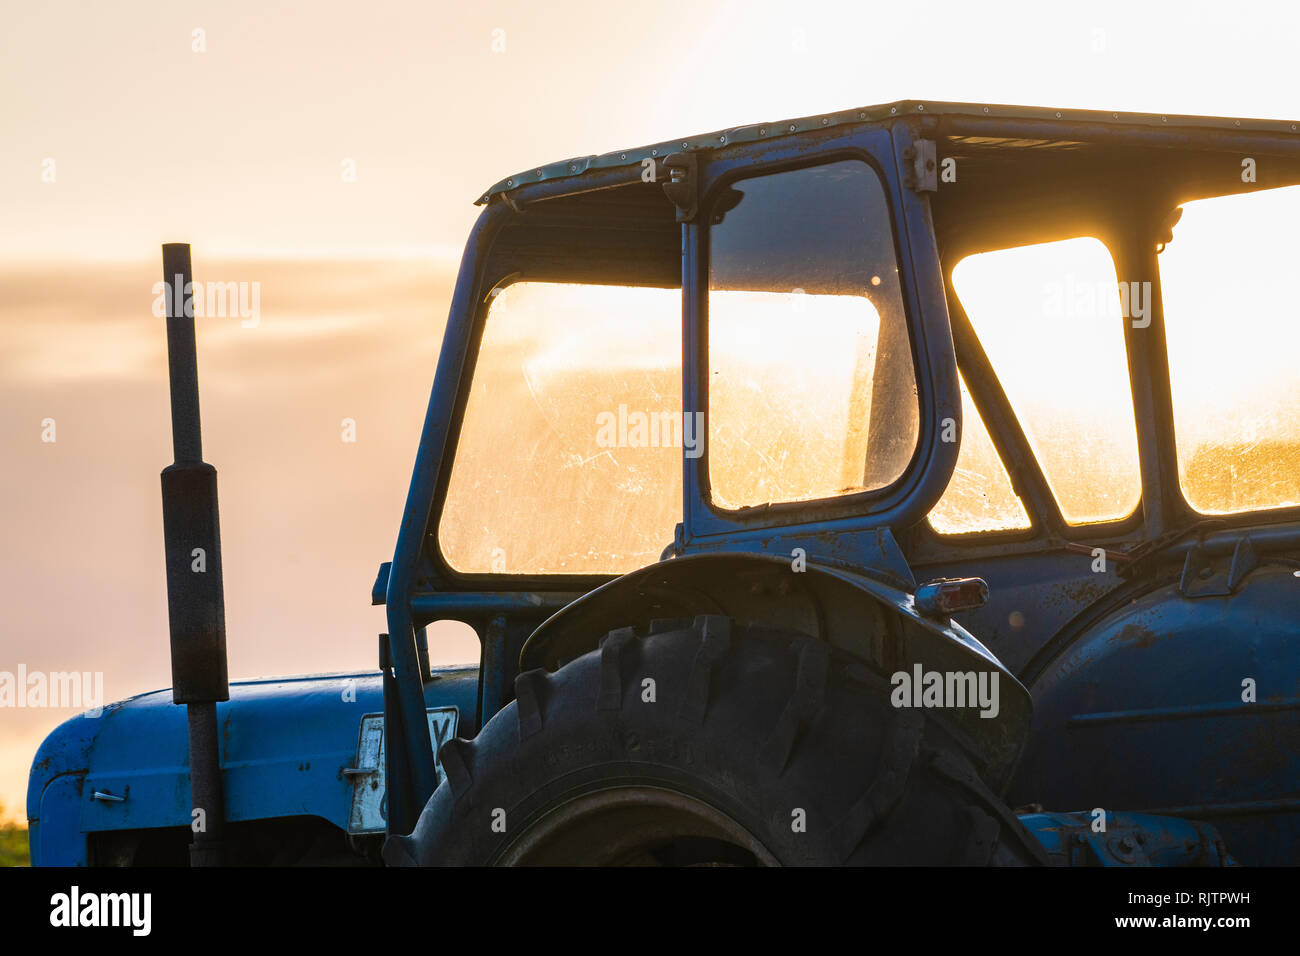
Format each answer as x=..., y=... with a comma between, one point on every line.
x=285, y=744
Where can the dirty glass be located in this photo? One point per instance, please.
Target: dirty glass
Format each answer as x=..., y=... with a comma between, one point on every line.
x=1051, y=320
x=570, y=455
x=979, y=496
x=811, y=387
x=1228, y=286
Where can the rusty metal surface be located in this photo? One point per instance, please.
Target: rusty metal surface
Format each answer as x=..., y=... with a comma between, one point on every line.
x=1176, y=704
x=884, y=113
x=1128, y=839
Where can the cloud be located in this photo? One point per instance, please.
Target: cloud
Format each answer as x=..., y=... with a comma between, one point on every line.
x=306, y=518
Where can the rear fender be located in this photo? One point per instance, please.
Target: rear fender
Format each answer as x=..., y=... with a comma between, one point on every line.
x=869, y=619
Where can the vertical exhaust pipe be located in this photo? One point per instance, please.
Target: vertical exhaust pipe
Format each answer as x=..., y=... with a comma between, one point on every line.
x=196, y=608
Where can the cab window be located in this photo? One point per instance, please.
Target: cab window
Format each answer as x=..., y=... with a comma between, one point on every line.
x=1228, y=287
x=1051, y=320
x=979, y=496
x=811, y=384
x=570, y=452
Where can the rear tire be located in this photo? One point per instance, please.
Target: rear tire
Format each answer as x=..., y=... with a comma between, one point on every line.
x=711, y=744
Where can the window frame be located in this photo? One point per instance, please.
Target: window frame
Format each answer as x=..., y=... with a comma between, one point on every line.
x=486, y=276
x=933, y=365
x=730, y=179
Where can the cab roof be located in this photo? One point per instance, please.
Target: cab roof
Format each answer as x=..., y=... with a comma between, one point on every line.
x=888, y=112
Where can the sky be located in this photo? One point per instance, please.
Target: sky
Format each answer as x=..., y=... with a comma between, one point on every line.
x=331, y=152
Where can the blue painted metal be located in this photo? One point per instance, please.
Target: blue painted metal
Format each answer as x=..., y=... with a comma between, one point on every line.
x=936, y=378
x=456, y=349
x=54, y=788
x=1129, y=839
x=435, y=606
x=1144, y=710
x=284, y=745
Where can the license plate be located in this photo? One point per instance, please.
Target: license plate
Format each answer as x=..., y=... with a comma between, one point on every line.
x=369, y=795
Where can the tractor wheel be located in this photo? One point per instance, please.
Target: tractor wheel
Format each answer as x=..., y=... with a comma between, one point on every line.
x=713, y=744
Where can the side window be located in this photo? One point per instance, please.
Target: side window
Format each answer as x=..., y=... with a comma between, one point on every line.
x=1228, y=286
x=1050, y=319
x=811, y=389
x=979, y=496
x=570, y=453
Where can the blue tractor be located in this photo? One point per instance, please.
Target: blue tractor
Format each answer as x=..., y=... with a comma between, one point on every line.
x=915, y=484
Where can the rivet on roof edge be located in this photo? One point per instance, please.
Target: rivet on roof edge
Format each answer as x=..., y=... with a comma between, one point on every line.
x=762, y=130
x=792, y=127
x=825, y=121
x=510, y=182
x=654, y=152
x=622, y=155
x=722, y=139
x=1058, y=114
x=986, y=109
x=893, y=110
x=1236, y=122
x=920, y=107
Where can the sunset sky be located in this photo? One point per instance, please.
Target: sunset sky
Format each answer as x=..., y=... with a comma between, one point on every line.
x=240, y=149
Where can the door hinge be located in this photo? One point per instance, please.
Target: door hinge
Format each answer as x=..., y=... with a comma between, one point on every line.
x=683, y=184
x=923, y=166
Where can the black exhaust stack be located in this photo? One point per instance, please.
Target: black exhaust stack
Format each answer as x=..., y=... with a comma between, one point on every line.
x=196, y=606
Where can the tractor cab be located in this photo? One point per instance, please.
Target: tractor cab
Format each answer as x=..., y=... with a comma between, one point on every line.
x=920, y=346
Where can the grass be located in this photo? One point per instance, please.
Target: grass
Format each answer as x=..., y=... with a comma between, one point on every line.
x=13, y=842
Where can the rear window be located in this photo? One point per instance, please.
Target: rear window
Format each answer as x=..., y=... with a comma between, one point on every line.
x=1228, y=284
x=979, y=496
x=1050, y=318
